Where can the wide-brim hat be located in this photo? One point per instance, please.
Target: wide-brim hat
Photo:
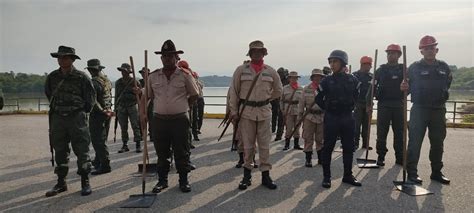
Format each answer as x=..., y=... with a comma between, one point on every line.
x=169, y=47
x=125, y=67
x=317, y=72
x=143, y=69
x=94, y=64
x=65, y=51
x=257, y=44
x=293, y=74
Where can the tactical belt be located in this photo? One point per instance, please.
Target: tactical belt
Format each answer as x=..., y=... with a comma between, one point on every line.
x=291, y=102
x=66, y=110
x=169, y=116
x=255, y=103
x=316, y=112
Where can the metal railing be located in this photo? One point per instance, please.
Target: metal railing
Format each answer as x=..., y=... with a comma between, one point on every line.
x=43, y=102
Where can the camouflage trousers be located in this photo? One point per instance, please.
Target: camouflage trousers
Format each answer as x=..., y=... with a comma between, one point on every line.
x=73, y=129
x=123, y=115
x=99, y=125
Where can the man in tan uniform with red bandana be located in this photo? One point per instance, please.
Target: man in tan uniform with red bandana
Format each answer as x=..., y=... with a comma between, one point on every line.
x=289, y=107
x=313, y=122
x=254, y=121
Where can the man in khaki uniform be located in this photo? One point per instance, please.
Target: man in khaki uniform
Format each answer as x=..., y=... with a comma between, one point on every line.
x=313, y=122
x=254, y=121
x=172, y=90
x=292, y=93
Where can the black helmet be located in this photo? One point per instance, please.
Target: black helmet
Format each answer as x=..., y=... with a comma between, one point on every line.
x=281, y=70
x=339, y=54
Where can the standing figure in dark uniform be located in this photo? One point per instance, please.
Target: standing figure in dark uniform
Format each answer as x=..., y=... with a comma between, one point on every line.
x=71, y=96
x=99, y=120
x=337, y=94
x=389, y=104
x=429, y=82
x=360, y=112
x=173, y=91
x=277, y=115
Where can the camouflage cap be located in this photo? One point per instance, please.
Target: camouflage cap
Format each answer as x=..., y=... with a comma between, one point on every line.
x=257, y=44
x=63, y=51
x=125, y=67
x=293, y=74
x=94, y=64
x=143, y=69
x=317, y=72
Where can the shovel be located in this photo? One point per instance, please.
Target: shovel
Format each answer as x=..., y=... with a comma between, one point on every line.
x=142, y=200
x=404, y=186
x=366, y=162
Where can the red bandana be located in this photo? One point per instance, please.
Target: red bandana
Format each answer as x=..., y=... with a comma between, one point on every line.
x=257, y=65
x=294, y=85
x=314, y=85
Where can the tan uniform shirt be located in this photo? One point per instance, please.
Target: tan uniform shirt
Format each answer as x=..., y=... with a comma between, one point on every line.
x=267, y=87
x=200, y=86
x=287, y=91
x=171, y=96
x=306, y=102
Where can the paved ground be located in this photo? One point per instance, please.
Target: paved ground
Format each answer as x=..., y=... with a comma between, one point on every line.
x=26, y=174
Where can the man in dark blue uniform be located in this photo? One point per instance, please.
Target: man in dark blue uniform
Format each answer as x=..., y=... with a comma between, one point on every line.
x=336, y=95
x=390, y=104
x=429, y=82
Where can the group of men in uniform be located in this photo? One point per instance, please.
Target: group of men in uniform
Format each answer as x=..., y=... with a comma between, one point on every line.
x=325, y=107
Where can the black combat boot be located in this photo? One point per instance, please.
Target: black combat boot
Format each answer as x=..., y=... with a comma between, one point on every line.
x=308, y=163
x=297, y=144
x=247, y=180
x=103, y=168
x=124, y=148
x=287, y=144
x=96, y=163
x=162, y=182
x=380, y=161
x=58, y=188
x=241, y=160
x=85, y=186
x=183, y=182
x=438, y=176
x=351, y=180
x=138, y=148
x=267, y=180
x=326, y=182
x=196, y=137
x=319, y=157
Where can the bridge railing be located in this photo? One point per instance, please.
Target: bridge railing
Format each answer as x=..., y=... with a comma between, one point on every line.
x=453, y=114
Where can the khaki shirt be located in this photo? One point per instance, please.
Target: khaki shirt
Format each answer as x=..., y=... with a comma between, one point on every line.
x=287, y=91
x=267, y=87
x=171, y=96
x=200, y=86
x=306, y=101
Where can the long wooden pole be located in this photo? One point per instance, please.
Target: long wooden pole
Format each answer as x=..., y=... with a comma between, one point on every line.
x=405, y=125
x=370, y=104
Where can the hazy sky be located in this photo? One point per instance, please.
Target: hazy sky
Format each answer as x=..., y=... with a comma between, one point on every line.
x=214, y=35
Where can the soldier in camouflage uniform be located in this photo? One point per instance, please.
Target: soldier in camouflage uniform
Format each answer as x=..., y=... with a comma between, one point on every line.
x=71, y=96
x=99, y=121
x=277, y=115
x=127, y=108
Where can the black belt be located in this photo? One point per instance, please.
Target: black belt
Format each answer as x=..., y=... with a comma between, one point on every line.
x=291, y=102
x=316, y=112
x=66, y=110
x=255, y=103
x=169, y=116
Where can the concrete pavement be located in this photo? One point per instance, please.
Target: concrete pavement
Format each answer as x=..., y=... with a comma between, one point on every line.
x=26, y=174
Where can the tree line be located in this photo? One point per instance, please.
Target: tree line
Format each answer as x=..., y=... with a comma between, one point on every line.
x=11, y=82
